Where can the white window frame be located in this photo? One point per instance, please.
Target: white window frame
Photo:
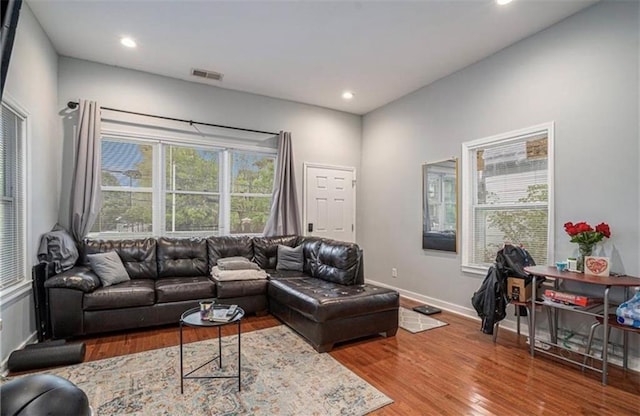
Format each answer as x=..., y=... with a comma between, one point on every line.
x=468, y=186
x=160, y=143
x=163, y=192
x=22, y=283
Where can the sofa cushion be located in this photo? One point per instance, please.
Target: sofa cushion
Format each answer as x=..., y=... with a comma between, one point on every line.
x=175, y=289
x=138, y=256
x=236, y=289
x=290, y=258
x=135, y=292
x=322, y=301
x=265, y=249
x=229, y=246
x=337, y=262
x=108, y=267
x=178, y=257
x=310, y=247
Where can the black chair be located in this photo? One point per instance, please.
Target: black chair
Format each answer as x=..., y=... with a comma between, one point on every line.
x=42, y=394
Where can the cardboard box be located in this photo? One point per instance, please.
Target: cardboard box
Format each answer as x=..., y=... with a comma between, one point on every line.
x=517, y=290
x=571, y=298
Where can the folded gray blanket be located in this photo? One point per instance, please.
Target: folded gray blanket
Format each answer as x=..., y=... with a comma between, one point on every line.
x=237, y=263
x=228, y=275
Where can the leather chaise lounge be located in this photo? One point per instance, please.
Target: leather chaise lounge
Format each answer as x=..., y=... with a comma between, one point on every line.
x=327, y=302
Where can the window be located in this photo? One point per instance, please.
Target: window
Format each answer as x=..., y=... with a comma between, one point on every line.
x=127, y=188
x=192, y=190
x=507, y=185
x=12, y=230
x=157, y=187
x=251, y=187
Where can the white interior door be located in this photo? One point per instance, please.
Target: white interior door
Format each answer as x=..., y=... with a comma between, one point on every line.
x=329, y=202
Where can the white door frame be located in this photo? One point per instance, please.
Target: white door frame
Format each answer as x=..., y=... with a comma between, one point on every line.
x=307, y=165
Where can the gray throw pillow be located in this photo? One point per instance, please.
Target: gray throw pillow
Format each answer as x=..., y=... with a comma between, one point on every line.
x=290, y=258
x=109, y=268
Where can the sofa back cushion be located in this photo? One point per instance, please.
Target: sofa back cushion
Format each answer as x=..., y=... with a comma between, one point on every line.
x=182, y=257
x=229, y=246
x=310, y=248
x=338, y=262
x=138, y=256
x=265, y=249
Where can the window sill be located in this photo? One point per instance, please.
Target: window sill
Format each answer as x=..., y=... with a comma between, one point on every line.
x=12, y=293
x=475, y=269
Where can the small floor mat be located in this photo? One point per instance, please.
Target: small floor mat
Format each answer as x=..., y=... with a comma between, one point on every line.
x=416, y=322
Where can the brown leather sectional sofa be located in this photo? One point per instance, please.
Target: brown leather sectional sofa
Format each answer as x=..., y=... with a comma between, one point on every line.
x=326, y=303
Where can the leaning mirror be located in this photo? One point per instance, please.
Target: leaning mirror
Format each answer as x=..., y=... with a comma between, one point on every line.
x=440, y=205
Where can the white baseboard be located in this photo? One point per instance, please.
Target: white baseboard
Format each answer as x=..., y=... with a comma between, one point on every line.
x=449, y=307
x=3, y=367
x=453, y=308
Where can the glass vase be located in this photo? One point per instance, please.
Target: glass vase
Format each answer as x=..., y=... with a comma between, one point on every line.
x=584, y=250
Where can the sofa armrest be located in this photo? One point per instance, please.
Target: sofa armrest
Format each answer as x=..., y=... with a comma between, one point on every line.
x=78, y=278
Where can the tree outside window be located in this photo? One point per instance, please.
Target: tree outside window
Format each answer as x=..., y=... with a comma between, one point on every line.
x=251, y=187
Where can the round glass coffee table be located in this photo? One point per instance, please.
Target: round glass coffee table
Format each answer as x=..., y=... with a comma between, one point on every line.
x=192, y=318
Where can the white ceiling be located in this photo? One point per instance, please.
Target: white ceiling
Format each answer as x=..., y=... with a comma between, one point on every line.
x=305, y=51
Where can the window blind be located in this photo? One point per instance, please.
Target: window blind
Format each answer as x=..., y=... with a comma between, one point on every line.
x=11, y=207
x=510, y=198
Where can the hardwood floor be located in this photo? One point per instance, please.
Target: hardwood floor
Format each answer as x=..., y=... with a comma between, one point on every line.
x=453, y=370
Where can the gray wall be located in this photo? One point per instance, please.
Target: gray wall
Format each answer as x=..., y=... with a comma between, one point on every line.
x=32, y=83
x=581, y=73
x=319, y=135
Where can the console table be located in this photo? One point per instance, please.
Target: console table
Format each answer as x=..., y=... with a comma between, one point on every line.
x=606, y=281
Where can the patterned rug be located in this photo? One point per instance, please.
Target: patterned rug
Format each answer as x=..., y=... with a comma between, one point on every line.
x=281, y=375
x=417, y=322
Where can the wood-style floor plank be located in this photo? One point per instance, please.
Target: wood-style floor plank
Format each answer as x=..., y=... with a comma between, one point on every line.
x=452, y=370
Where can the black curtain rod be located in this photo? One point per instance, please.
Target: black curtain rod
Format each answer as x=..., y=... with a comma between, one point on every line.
x=73, y=105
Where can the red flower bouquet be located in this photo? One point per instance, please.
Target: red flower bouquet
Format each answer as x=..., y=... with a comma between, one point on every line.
x=583, y=233
x=586, y=237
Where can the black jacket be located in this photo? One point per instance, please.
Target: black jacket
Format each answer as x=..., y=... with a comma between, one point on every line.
x=490, y=301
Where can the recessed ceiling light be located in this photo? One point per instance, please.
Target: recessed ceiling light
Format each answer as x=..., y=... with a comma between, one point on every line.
x=128, y=42
x=503, y=2
x=347, y=95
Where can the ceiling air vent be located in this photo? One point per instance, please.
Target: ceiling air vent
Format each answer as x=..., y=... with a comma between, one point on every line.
x=216, y=76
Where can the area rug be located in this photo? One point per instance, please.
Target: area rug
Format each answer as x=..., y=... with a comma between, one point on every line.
x=417, y=322
x=281, y=375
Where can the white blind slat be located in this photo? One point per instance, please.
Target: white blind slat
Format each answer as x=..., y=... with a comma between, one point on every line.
x=11, y=205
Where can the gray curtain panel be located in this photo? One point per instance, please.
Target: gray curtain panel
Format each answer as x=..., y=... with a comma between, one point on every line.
x=284, y=218
x=85, y=192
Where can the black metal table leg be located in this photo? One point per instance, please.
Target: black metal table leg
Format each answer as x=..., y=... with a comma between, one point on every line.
x=219, y=348
x=181, y=365
x=239, y=353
